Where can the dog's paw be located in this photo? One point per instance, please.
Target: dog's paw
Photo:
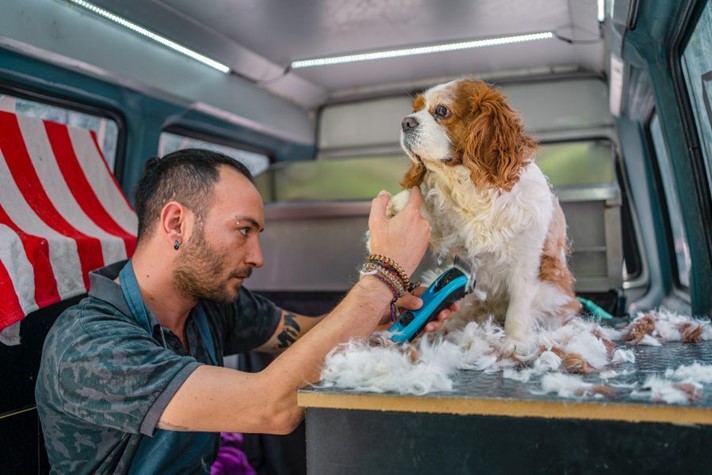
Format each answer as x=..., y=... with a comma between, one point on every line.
x=397, y=203
x=519, y=347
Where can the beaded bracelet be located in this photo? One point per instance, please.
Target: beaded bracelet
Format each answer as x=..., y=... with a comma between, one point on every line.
x=388, y=262
x=391, y=280
x=371, y=267
x=408, y=286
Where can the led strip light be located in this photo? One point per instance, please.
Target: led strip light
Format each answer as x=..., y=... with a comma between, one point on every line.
x=396, y=53
x=152, y=36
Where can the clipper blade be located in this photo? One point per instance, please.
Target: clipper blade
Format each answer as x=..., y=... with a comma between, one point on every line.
x=465, y=267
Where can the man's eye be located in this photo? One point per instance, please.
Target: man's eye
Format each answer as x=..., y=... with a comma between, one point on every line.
x=244, y=231
x=442, y=112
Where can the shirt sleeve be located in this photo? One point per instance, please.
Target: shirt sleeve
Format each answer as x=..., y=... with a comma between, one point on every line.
x=112, y=373
x=247, y=323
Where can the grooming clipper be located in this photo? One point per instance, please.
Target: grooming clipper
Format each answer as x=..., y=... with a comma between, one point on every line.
x=449, y=287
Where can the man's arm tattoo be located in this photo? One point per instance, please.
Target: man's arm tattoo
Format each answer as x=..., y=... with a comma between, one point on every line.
x=290, y=332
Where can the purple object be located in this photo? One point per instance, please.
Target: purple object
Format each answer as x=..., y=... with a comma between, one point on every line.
x=231, y=459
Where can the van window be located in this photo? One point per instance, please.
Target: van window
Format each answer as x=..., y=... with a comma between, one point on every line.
x=348, y=178
x=697, y=69
x=106, y=129
x=362, y=177
x=586, y=162
x=256, y=162
x=682, y=250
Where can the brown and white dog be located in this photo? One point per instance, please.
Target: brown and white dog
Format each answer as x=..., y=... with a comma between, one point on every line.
x=489, y=205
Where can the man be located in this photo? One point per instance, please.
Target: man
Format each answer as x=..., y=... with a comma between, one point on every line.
x=131, y=377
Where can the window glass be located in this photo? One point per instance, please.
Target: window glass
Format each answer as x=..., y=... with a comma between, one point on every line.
x=577, y=163
x=682, y=250
x=106, y=129
x=169, y=142
x=358, y=178
x=697, y=68
x=361, y=178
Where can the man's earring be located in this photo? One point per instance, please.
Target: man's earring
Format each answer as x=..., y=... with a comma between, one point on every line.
x=176, y=244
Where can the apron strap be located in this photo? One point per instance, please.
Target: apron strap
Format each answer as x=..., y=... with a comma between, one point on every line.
x=168, y=452
x=129, y=286
x=205, y=334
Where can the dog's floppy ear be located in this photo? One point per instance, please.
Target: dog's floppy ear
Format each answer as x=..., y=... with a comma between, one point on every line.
x=414, y=176
x=495, y=146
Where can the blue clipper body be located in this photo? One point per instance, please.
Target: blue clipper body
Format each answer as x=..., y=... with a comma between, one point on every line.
x=448, y=288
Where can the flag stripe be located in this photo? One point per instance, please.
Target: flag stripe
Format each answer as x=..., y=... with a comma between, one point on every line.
x=34, y=252
x=23, y=171
x=99, y=175
x=10, y=301
x=63, y=253
x=58, y=192
x=62, y=214
x=82, y=190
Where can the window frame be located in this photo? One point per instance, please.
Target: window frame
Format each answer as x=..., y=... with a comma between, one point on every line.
x=687, y=96
x=81, y=107
x=664, y=205
x=192, y=133
x=702, y=183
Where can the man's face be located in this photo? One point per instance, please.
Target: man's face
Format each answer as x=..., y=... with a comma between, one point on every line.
x=223, y=249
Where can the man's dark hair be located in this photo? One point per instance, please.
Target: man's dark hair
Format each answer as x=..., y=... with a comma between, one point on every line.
x=187, y=176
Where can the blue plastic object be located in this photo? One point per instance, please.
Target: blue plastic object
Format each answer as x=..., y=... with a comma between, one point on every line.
x=448, y=288
x=594, y=309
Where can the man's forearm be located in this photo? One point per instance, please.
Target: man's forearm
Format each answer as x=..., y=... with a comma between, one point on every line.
x=224, y=400
x=291, y=328
x=357, y=315
x=218, y=399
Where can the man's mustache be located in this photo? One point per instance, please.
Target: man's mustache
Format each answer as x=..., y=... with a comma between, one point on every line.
x=242, y=273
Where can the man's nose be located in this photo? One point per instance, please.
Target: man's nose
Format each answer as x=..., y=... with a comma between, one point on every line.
x=254, y=256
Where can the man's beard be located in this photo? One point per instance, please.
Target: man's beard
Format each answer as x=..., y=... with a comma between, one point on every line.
x=200, y=272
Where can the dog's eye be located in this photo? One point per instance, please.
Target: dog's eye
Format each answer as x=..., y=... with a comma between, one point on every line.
x=442, y=112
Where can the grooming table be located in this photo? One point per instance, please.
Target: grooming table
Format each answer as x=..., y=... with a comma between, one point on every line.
x=491, y=425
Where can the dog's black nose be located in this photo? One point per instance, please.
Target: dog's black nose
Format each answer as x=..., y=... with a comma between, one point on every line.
x=408, y=123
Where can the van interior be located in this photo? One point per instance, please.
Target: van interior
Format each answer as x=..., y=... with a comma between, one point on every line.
x=310, y=95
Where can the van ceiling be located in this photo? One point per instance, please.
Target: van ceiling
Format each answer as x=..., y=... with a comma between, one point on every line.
x=258, y=39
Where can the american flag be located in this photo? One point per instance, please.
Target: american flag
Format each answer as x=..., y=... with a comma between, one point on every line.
x=62, y=214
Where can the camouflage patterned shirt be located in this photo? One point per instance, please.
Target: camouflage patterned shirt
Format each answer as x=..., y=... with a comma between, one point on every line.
x=104, y=381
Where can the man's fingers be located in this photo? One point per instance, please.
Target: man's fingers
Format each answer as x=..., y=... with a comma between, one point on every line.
x=416, y=198
x=444, y=315
x=432, y=326
x=410, y=302
x=418, y=291
x=379, y=204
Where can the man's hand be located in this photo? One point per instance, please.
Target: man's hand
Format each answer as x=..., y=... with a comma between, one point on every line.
x=403, y=237
x=412, y=301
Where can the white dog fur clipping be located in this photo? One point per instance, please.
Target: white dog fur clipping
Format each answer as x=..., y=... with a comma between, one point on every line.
x=430, y=364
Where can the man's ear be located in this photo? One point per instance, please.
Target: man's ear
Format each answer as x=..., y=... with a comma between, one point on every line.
x=174, y=221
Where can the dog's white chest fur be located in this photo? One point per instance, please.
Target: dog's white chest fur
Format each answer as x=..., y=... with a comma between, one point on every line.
x=499, y=234
x=491, y=230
